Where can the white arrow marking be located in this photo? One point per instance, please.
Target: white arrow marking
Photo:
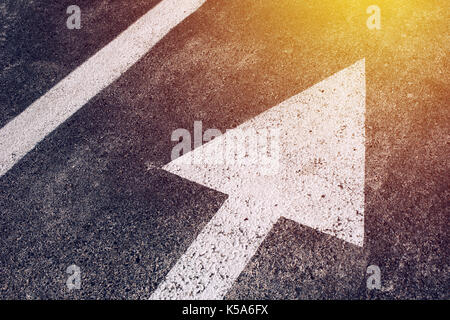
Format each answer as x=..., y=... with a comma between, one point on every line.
x=21, y=134
x=319, y=183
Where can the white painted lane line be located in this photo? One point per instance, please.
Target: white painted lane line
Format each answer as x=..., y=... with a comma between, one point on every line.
x=319, y=183
x=21, y=134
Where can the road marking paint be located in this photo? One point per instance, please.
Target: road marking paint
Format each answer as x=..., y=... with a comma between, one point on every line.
x=24, y=132
x=320, y=184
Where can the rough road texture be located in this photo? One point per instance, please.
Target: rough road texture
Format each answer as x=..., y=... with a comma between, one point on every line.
x=91, y=193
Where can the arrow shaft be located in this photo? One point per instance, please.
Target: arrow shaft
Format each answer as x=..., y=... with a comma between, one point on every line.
x=220, y=252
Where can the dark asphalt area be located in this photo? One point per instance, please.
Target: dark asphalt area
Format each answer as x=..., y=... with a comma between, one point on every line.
x=37, y=50
x=92, y=193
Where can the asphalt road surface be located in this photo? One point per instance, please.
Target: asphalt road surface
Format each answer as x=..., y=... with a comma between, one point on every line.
x=93, y=192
